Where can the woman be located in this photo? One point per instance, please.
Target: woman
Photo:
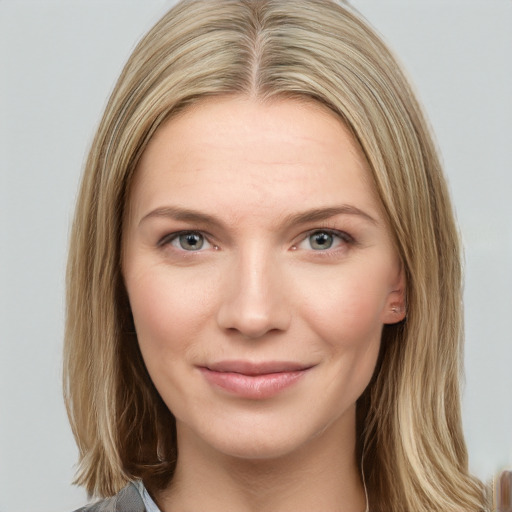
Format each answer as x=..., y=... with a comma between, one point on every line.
x=264, y=286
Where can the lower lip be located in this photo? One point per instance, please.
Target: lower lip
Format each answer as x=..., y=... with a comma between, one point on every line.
x=255, y=387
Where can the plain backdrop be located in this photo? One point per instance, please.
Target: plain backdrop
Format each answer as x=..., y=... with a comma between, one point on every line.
x=59, y=61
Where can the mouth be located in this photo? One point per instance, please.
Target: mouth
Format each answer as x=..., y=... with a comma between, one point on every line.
x=254, y=381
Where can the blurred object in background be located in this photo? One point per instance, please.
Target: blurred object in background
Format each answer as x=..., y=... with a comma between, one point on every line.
x=503, y=492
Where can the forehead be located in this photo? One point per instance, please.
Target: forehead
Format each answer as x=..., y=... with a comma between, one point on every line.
x=273, y=153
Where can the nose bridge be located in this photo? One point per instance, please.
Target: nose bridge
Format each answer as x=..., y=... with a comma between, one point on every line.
x=254, y=303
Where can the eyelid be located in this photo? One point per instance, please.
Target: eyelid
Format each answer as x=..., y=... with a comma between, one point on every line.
x=343, y=236
x=171, y=237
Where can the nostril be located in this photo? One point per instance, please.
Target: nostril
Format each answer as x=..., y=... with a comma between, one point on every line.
x=252, y=321
x=252, y=326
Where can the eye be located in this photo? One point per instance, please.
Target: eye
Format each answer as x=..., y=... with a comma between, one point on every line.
x=187, y=241
x=323, y=240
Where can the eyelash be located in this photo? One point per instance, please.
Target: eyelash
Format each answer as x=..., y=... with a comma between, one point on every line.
x=171, y=237
x=343, y=237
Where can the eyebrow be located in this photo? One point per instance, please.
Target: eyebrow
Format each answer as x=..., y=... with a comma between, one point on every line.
x=313, y=215
x=183, y=214
x=317, y=214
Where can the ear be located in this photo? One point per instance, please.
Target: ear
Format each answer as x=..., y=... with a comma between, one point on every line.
x=396, y=306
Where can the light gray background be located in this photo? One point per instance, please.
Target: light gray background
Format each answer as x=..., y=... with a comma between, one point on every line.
x=58, y=62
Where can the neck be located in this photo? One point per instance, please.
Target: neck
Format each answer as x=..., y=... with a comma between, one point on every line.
x=322, y=475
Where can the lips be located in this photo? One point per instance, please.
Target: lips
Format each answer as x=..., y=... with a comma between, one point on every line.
x=255, y=381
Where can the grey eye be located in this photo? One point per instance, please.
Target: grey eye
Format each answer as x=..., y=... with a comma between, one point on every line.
x=321, y=240
x=190, y=241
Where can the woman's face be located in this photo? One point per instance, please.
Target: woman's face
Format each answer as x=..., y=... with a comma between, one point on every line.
x=260, y=272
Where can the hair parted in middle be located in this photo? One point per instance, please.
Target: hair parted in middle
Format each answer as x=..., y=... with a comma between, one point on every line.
x=409, y=430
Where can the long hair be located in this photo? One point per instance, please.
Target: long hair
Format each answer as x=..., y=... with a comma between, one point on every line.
x=409, y=432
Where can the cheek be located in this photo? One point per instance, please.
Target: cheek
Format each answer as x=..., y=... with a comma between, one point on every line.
x=346, y=311
x=168, y=314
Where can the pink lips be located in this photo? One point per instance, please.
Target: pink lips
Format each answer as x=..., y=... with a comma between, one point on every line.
x=254, y=381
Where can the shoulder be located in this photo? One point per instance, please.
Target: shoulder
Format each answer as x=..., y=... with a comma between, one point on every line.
x=126, y=500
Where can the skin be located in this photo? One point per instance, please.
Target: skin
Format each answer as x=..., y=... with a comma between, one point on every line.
x=268, y=281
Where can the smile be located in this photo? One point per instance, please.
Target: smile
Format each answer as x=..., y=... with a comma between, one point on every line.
x=253, y=381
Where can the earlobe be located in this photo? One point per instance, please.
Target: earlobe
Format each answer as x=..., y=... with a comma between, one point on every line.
x=396, y=309
x=396, y=313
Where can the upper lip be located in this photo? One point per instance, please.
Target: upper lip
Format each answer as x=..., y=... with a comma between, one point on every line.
x=256, y=368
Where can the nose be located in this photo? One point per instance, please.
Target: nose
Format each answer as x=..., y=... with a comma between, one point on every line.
x=254, y=300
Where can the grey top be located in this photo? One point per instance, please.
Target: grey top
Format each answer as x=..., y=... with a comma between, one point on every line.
x=146, y=497
x=126, y=500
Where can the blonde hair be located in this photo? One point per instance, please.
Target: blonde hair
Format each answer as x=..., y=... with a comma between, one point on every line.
x=409, y=426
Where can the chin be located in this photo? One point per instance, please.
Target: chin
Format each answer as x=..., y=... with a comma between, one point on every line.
x=269, y=436
x=258, y=448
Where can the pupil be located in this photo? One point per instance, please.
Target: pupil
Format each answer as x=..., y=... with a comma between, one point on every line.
x=191, y=241
x=321, y=240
